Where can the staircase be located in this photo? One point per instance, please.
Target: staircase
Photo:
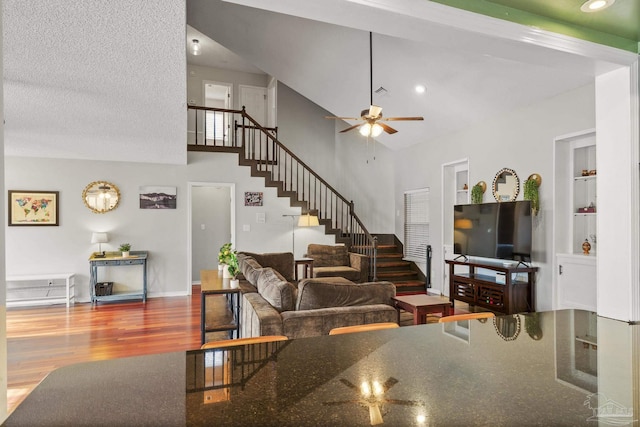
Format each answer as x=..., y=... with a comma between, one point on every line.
x=391, y=266
x=258, y=148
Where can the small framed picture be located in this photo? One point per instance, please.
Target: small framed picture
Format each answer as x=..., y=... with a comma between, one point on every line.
x=38, y=208
x=252, y=198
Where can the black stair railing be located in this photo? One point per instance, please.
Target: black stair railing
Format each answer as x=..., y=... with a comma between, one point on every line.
x=260, y=148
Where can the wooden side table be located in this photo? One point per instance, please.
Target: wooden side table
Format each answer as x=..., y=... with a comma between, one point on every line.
x=420, y=306
x=307, y=271
x=212, y=283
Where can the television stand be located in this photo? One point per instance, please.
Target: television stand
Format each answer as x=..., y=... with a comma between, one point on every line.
x=515, y=295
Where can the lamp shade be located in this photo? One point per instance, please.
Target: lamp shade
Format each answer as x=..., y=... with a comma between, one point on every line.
x=99, y=238
x=308, y=220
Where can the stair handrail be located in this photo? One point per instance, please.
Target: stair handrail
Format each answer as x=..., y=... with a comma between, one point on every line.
x=373, y=241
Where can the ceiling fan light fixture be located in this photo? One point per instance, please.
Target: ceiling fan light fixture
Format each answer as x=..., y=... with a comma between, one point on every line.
x=596, y=5
x=420, y=89
x=376, y=130
x=374, y=111
x=365, y=129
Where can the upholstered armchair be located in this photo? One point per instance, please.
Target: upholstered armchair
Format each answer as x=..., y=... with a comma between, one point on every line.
x=336, y=261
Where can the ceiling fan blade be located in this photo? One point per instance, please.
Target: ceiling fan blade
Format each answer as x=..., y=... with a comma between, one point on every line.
x=351, y=128
x=388, y=129
x=343, y=118
x=401, y=118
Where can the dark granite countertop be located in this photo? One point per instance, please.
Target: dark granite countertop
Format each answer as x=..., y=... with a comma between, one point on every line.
x=554, y=368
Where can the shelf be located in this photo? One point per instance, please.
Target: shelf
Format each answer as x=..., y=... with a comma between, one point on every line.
x=584, y=178
x=588, y=339
x=120, y=296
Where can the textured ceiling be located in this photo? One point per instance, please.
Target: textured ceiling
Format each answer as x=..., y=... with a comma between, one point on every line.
x=95, y=79
x=321, y=51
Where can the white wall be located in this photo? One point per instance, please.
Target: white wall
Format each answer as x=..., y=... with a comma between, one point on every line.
x=521, y=140
x=164, y=233
x=345, y=161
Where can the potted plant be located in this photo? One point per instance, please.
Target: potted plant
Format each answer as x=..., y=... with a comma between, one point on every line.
x=125, y=248
x=477, y=193
x=223, y=254
x=233, y=269
x=531, y=193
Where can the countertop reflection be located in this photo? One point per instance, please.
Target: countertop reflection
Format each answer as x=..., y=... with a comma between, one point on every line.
x=566, y=367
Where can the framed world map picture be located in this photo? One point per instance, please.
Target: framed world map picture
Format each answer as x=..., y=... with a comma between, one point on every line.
x=33, y=207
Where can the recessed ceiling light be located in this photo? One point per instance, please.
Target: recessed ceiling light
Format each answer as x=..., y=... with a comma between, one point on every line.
x=420, y=89
x=596, y=5
x=195, y=47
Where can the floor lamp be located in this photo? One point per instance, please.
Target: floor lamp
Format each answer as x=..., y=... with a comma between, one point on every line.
x=305, y=220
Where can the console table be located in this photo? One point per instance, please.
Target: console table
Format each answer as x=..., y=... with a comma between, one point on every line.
x=115, y=259
x=509, y=291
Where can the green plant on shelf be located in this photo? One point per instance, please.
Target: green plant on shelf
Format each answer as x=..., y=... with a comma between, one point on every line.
x=224, y=253
x=477, y=194
x=125, y=247
x=531, y=193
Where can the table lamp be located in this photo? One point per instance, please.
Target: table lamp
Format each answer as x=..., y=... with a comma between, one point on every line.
x=99, y=238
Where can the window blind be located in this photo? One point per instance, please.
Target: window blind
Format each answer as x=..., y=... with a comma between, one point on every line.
x=416, y=224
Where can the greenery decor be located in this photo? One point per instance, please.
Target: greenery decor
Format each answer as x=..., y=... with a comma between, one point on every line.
x=477, y=194
x=531, y=193
x=125, y=247
x=223, y=254
x=232, y=265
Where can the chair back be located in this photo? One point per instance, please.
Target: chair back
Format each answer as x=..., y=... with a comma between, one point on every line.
x=243, y=341
x=362, y=328
x=466, y=316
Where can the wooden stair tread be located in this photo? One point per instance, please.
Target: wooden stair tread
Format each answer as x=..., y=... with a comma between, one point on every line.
x=389, y=264
x=397, y=273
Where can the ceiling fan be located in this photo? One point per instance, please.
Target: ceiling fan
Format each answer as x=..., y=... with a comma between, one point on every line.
x=373, y=121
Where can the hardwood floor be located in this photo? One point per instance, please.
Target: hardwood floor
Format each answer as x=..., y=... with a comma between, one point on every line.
x=42, y=339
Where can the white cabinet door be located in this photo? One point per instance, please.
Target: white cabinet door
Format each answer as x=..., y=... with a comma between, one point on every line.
x=576, y=284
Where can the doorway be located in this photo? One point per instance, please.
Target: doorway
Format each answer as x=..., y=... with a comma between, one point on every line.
x=455, y=191
x=217, y=124
x=211, y=224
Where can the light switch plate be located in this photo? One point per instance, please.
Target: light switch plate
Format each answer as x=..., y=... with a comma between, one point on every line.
x=246, y=227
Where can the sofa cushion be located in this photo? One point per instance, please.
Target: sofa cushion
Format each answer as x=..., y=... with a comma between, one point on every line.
x=340, y=271
x=251, y=270
x=327, y=255
x=314, y=293
x=276, y=290
x=282, y=262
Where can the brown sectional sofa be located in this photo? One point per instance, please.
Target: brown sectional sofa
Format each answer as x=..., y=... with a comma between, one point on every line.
x=273, y=305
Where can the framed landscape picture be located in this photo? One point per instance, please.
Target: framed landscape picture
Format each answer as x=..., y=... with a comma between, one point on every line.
x=37, y=208
x=158, y=197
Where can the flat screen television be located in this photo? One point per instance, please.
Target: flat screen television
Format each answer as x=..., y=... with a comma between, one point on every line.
x=493, y=230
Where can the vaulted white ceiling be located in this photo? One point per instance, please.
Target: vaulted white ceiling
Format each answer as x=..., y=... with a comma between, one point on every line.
x=107, y=80
x=320, y=49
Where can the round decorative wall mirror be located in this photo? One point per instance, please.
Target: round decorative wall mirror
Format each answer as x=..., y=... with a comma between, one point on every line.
x=101, y=196
x=506, y=185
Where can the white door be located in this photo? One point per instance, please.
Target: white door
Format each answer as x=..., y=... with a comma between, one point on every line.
x=576, y=282
x=254, y=99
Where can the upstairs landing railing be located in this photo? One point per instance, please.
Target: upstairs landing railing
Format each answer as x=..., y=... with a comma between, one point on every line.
x=235, y=130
